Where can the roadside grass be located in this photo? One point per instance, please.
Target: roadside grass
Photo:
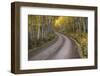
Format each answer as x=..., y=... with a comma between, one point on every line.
x=82, y=40
x=34, y=43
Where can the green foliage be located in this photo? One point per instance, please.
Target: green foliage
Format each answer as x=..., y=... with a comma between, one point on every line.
x=35, y=43
x=42, y=30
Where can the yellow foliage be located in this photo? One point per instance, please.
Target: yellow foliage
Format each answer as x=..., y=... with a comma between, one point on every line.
x=62, y=20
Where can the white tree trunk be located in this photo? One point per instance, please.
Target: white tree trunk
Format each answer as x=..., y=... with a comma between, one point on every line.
x=38, y=34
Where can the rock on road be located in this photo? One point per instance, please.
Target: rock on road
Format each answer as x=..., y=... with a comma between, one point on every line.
x=63, y=48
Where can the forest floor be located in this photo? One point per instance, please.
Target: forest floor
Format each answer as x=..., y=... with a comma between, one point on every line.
x=63, y=48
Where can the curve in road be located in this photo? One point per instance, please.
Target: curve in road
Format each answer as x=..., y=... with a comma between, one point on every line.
x=63, y=48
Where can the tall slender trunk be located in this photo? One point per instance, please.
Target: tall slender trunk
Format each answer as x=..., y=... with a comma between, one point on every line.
x=42, y=27
x=84, y=26
x=38, y=34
